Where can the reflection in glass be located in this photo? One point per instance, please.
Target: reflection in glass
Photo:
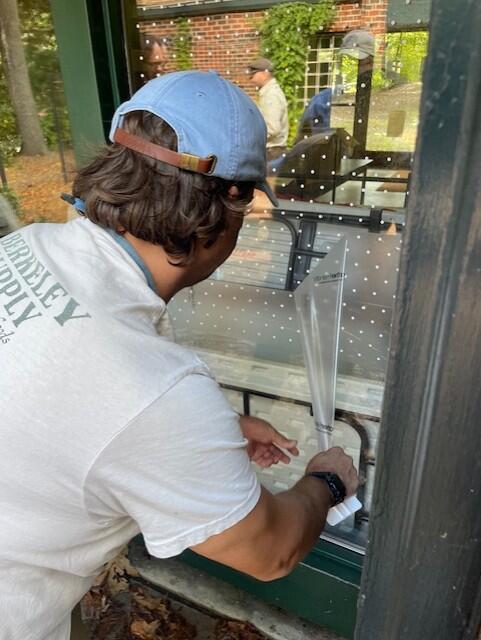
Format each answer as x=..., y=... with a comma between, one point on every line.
x=345, y=173
x=243, y=323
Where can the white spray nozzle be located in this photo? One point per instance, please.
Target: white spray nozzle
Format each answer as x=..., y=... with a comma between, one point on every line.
x=342, y=511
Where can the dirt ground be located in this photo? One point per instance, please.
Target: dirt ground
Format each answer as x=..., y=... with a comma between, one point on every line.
x=405, y=98
x=37, y=182
x=121, y=607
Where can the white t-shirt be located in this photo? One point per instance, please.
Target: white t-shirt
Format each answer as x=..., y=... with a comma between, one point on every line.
x=107, y=427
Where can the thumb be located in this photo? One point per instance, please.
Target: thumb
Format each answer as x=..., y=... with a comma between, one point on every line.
x=285, y=443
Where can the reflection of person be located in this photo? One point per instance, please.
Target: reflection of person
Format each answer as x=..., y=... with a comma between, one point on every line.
x=360, y=45
x=122, y=430
x=317, y=115
x=156, y=56
x=273, y=105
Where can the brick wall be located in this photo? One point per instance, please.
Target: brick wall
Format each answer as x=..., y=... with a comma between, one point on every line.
x=224, y=42
x=370, y=15
x=227, y=42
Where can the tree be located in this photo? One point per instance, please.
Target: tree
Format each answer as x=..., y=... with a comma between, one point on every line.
x=18, y=80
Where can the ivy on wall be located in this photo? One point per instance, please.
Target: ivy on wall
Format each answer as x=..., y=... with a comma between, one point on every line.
x=285, y=34
x=182, y=44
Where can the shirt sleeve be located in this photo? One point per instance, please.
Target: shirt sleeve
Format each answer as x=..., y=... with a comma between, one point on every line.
x=180, y=470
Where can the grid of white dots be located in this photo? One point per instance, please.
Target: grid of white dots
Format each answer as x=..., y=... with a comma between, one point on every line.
x=245, y=309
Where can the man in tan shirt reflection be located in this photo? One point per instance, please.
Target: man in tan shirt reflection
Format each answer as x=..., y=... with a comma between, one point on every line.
x=272, y=104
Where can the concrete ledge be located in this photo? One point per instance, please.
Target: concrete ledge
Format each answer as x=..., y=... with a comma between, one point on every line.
x=216, y=596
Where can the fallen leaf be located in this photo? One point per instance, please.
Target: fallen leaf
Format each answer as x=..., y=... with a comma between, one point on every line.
x=144, y=630
x=235, y=630
x=37, y=181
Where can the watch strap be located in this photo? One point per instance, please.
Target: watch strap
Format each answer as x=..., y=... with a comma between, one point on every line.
x=334, y=482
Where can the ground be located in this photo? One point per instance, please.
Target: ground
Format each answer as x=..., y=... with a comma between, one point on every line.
x=404, y=98
x=121, y=606
x=37, y=182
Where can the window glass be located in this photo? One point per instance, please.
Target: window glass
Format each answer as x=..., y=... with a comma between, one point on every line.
x=344, y=172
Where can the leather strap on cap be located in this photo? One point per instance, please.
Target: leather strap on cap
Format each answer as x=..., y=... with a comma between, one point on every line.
x=184, y=161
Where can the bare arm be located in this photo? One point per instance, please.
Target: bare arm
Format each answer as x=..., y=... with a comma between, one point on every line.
x=282, y=528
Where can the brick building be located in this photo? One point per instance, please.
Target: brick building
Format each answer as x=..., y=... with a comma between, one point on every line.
x=226, y=41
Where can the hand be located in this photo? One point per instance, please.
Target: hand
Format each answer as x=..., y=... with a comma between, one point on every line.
x=336, y=461
x=264, y=442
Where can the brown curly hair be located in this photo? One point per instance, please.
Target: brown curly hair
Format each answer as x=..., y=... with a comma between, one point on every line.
x=154, y=201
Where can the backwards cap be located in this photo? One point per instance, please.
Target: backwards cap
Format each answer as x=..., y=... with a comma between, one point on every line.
x=220, y=131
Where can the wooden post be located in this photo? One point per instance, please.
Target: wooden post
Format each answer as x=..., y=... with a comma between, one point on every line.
x=422, y=576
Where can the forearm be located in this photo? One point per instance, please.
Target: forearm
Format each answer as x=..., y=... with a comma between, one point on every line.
x=282, y=528
x=300, y=516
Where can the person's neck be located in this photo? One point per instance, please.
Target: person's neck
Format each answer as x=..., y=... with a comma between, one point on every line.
x=168, y=278
x=267, y=81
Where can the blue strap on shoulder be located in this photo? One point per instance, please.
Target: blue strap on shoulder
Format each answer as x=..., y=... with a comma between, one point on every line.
x=77, y=203
x=80, y=207
x=135, y=257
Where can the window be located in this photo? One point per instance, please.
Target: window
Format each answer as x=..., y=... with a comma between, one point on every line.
x=344, y=173
x=321, y=65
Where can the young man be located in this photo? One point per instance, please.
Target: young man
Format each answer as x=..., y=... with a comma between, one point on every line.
x=108, y=427
x=272, y=104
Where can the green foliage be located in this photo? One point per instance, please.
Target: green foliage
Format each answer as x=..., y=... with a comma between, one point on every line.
x=285, y=34
x=40, y=45
x=11, y=197
x=182, y=42
x=405, y=53
x=9, y=141
x=403, y=58
x=349, y=69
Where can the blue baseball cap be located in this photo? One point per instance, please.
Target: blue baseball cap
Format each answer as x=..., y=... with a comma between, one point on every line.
x=213, y=119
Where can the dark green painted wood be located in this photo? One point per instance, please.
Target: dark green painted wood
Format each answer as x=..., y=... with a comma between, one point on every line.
x=117, y=49
x=105, y=19
x=422, y=577
x=78, y=70
x=210, y=8
x=404, y=15
x=323, y=589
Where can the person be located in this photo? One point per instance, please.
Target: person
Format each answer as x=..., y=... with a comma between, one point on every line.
x=109, y=428
x=156, y=56
x=317, y=115
x=272, y=104
x=360, y=45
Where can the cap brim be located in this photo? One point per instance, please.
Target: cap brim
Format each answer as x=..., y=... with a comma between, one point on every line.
x=356, y=53
x=264, y=186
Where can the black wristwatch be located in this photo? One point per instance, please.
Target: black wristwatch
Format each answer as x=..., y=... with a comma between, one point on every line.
x=334, y=482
